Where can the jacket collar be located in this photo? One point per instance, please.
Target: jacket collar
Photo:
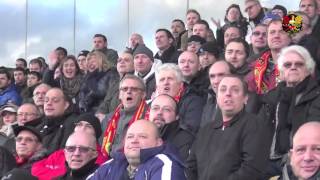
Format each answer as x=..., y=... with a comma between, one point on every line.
x=218, y=124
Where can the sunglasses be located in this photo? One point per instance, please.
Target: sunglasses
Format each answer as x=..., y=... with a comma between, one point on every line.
x=82, y=149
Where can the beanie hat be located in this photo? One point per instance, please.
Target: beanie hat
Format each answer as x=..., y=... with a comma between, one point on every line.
x=282, y=8
x=196, y=38
x=210, y=47
x=93, y=120
x=142, y=49
x=83, y=53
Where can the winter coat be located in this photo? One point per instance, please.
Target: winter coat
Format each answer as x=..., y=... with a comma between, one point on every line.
x=236, y=151
x=158, y=163
x=94, y=87
x=10, y=94
x=7, y=161
x=112, y=55
x=81, y=173
x=287, y=174
x=285, y=109
x=170, y=55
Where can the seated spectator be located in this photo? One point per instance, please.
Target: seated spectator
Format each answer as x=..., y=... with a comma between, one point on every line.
x=165, y=43
x=236, y=132
x=35, y=65
x=8, y=92
x=82, y=61
x=54, y=165
x=144, y=66
x=194, y=43
x=163, y=112
x=304, y=157
x=258, y=40
x=33, y=80
x=236, y=53
x=8, y=115
x=61, y=53
x=94, y=84
x=80, y=153
x=294, y=102
x=57, y=123
x=111, y=100
x=28, y=146
x=100, y=43
x=169, y=81
x=21, y=63
x=144, y=157
x=189, y=65
x=208, y=54
x=38, y=96
x=232, y=32
x=233, y=16
x=20, y=81
x=132, y=93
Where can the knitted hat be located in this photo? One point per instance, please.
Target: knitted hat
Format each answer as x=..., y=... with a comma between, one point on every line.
x=196, y=38
x=282, y=8
x=210, y=47
x=93, y=120
x=142, y=49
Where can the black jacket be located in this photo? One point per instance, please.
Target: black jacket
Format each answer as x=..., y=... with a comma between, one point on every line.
x=179, y=136
x=94, y=87
x=82, y=173
x=170, y=55
x=286, y=109
x=236, y=152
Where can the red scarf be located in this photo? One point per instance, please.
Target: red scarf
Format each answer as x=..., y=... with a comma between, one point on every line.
x=260, y=68
x=110, y=132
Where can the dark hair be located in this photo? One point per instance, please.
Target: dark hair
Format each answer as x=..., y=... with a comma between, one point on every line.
x=4, y=70
x=25, y=64
x=241, y=17
x=169, y=34
x=102, y=36
x=243, y=42
x=36, y=61
x=35, y=73
x=193, y=11
x=73, y=58
x=179, y=20
x=234, y=25
x=243, y=82
x=20, y=69
x=204, y=22
x=63, y=50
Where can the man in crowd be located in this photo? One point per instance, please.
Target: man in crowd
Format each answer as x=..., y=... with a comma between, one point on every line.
x=144, y=157
x=132, y=93
x=20, y=62
x=165, y=43
x=264, y=75
x=36, y=65
x=81, y=154
x=235, y=132
x=169, y=80
x=134, y=40
x=144, y=66
x=82, y=60
x=8, y=92
x=310, y=8
x=201, y=28
x=39, y=96
x=100, y=43
x=177, y=29
x=255, y=11
x=192, y=17
x=208, y=54
x=258, y=40
x=20, y=80
x=28, y=113
x=163, y=112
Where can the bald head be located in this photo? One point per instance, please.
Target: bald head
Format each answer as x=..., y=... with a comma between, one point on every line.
x=305, y=152
x=27, y=112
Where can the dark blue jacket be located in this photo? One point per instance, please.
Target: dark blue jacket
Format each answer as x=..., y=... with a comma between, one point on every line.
x=159, y=163
x=10, y=94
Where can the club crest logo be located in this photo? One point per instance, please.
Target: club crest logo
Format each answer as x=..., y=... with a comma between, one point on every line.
x=292, y=23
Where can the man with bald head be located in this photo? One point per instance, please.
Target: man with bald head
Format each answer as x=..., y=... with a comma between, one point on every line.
x=305, y=153
x=38, y=95
x=28, y=113
x=144, y=157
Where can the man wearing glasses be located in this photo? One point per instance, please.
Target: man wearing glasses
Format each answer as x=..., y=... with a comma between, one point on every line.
x=81, y=154
x=28, y=146
x=258, y=40
x=255, y=11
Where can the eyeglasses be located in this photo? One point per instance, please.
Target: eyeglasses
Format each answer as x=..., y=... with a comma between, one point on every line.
x=26, y=139
x=250, y=7
x=81, y=124
x=26, y=114
x=258, y=33
x=82, y=149
x=288, y=65
x=133, y=89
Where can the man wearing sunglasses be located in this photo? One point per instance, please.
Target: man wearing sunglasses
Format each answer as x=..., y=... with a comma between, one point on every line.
x=294, y=102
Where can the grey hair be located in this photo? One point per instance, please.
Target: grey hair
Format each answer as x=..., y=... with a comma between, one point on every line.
x=169, y=67
x=303, y=52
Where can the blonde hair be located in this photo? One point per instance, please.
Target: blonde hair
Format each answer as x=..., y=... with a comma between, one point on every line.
x=103, y=62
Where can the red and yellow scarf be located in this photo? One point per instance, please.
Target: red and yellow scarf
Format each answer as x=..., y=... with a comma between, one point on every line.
x=260, y=68
x=110, y=132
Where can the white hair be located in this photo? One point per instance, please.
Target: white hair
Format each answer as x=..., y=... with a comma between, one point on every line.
x=169, y=67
